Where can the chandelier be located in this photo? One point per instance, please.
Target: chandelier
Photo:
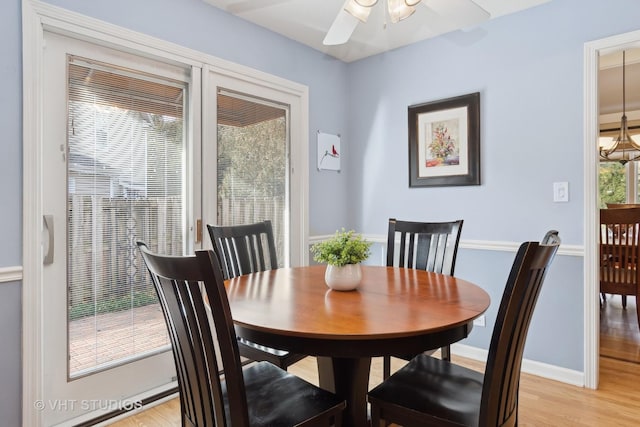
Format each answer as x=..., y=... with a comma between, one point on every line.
x=398, y=9
x=623, y=148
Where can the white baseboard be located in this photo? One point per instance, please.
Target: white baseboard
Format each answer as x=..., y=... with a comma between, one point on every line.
x=135, y=411
x=539, y=369
x=132, y=400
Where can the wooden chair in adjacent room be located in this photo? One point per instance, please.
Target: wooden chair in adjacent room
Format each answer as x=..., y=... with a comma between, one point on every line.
x=258, y=394
x=619, y=252
x=622, y=205
x=431, y=246
x=430, y=391
x=244, y=249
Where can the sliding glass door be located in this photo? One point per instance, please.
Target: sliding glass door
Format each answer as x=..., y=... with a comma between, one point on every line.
x=115, y=172
x=253, y=164
x=253, y=150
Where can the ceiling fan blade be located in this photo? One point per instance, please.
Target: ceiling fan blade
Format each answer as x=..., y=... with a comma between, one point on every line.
x=343, y=26
x=241, y=7
x=460, y=13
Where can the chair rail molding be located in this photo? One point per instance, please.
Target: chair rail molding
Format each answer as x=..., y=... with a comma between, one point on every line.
x=485, y=245
x=10, y=274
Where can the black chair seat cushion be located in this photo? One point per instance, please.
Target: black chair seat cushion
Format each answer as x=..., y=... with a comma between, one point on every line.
x=432, y=386
x=277, y=398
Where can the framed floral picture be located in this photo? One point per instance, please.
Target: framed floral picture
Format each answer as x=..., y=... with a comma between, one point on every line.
x=444, y=142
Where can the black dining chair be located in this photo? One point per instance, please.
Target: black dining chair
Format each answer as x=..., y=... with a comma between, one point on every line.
x=431, y=246
x=258, y=394
x=430, y=391
x=243, y=249
x=549, y=237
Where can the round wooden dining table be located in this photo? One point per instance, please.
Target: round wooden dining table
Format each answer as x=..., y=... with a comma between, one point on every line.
x=394, y=311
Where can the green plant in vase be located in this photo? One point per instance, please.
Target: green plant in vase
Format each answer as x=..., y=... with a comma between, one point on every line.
x=343, y=254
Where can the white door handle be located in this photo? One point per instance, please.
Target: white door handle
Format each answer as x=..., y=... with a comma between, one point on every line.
x=48, y=225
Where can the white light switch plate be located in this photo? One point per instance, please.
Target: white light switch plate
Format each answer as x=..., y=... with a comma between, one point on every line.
x=560, y=191
x=480, y=321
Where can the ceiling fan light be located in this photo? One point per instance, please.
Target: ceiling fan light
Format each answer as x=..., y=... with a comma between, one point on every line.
x=356, y=10
x=366, y=3
x=398, y=10
x=412, y=2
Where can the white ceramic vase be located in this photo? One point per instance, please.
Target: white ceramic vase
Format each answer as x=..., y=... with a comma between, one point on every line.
x=345, y=278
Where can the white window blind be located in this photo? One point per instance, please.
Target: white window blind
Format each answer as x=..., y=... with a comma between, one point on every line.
x=126, y=172
x=253, y=164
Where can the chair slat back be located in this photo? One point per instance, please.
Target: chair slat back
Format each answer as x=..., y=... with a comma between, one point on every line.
x=183, y=284
x=243, y=249
x=502, y=373
x=431, y=246
x=619, y=250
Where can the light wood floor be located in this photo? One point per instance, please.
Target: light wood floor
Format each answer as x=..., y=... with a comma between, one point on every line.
x=542, y=402
x=619, y=331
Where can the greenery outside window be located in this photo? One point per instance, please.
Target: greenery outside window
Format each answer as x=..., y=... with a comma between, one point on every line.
x=618, y=183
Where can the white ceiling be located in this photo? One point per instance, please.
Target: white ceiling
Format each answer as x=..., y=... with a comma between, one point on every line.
x=610, y=85
x=307, y=21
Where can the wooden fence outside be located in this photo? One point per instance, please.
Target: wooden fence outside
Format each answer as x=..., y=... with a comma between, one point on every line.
x=255, y=209
x=104, y=261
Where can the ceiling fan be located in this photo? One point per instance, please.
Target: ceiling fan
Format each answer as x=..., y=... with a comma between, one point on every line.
x=458, y=13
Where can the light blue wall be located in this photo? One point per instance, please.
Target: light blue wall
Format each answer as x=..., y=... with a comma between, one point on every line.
x=11, y=142
x=528, y=68
x=10, y=210
x=10, y=354
x=556, y=332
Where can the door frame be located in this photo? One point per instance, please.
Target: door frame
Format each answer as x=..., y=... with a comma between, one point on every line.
x=592, y=51
x=38, y=17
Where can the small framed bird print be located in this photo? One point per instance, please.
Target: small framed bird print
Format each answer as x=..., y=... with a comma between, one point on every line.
x=328, y=151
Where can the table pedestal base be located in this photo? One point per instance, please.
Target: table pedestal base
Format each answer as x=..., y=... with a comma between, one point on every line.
x=348, y=378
